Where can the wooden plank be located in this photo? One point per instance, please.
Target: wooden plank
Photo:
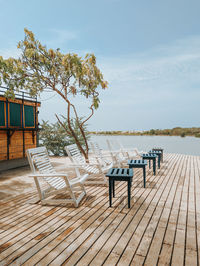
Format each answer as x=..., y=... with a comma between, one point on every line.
x=138, y=260
x=84, y=229
x=25, y=221
x=19, y=216
x=157, y=239
x=127, y=232
x=29, y=238
x=108, y=244
x=171, y=227
x=191, y=257
x=178, y=255
x=148, y=230
x=191, y=233
x=162, y=227
x=196, y=166
x=65, y=245
x=165, y=255
x=113, y=229
x=168, y=239
x=10, y=209
x=15, y=201
x=16, y=231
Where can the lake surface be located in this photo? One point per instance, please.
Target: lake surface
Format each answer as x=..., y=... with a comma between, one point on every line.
x=172, y=144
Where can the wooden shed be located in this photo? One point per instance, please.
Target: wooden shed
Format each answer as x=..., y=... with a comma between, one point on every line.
x=18, y=125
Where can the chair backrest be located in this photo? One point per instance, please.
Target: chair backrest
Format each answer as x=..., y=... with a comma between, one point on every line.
x=123, y=151
x=95, y=148
x=137, y=152
x=74, y=154
x=114, y=156
x=39, y=162
x=113, y=145
x=98, y=153
x=79, y=161
x=75, y=157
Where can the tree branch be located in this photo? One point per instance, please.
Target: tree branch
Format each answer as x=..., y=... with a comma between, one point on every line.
x=92, y=110
x=62, y=124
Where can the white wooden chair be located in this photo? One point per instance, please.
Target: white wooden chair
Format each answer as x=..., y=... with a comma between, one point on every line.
x=125, y=153
x=95, y=170
x=130, y=153
x=117, y=156
x=122, y=155
x=97, y=152
x=139, y=153
x=58, y=183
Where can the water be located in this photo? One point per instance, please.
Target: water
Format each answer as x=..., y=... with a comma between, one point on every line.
x=172, y=144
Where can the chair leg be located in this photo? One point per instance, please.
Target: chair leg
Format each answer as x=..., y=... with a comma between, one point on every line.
x=83, y=188
x=41, y=195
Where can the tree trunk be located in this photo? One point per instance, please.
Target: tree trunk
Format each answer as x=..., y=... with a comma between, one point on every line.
x=85, y=140
x=85, y=153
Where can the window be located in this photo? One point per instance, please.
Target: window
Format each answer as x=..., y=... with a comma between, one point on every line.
x=2, y=114
x=29, y=116
x=15, y=115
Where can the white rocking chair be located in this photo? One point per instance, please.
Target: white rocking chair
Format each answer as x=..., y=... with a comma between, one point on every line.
x=92, y=168
x=57, y=182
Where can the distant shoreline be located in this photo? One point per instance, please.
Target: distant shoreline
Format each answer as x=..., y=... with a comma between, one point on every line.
x=177, y=131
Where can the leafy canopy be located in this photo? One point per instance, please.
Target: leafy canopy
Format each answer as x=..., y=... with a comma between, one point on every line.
x=39, y=68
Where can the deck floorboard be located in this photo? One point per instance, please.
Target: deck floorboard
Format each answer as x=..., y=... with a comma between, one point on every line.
x=162, y=227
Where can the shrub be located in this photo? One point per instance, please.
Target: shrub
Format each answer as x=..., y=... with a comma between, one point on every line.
x=183, y=134
x=55, y=138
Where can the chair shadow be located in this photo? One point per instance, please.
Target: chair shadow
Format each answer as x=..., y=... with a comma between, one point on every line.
x=151, y=184
x=163, y=167
x=138, y=184
x=161, y=172
x=56, y=164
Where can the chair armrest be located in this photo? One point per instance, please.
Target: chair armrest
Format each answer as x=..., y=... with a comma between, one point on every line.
x=49, y=175
x=81, y=165
x=116, y=152
x=102, y=156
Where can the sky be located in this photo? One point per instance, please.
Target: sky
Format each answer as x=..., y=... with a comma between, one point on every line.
x=148, y=51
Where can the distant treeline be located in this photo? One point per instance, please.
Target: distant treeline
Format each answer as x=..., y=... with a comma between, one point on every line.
x=177, y=131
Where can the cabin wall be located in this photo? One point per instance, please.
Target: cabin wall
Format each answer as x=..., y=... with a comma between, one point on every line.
x=14, y=140
x=3, y=145
x=16, y=147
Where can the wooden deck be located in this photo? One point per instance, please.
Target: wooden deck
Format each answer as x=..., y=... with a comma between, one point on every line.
x=161, y=227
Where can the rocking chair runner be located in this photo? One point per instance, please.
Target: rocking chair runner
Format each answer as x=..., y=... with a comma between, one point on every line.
x=58, y=182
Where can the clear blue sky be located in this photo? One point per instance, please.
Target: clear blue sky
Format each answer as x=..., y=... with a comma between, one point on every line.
x=149, y=51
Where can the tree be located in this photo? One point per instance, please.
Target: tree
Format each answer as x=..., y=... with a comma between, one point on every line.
x=54, y=137
x=38, y=69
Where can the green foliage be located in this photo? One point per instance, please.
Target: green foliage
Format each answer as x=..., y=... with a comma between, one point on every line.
x=39, y=68
x=152, y=132
x=177, y=131
x=183, y=134
x=55, y=137
x=76, y=128
x=197, y=135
